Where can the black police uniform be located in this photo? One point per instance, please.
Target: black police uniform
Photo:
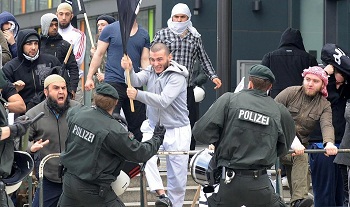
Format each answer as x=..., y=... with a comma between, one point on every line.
x=249, y=130
x=96, y=148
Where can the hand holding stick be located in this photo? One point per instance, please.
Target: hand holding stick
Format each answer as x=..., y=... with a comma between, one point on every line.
x=127, y=70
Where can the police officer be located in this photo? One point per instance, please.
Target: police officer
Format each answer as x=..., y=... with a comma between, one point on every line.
x=249, y=130
x=96, y=148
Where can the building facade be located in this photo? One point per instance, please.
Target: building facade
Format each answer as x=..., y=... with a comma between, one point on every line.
x=254, y=27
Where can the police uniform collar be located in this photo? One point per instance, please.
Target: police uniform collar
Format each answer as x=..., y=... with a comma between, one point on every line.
x=102, y=111
x=256, y=91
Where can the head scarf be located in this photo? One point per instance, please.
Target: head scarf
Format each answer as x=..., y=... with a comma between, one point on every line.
x=319, y=72
x=179, y=27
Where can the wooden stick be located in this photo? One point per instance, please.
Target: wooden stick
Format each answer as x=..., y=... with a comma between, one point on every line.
x=132, y=108
x=196, y=196
x=68, y=54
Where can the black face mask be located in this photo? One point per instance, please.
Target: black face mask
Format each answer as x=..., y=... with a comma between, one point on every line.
x=55, y=107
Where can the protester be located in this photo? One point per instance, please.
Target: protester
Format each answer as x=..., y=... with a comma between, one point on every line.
x=308, y=106
x=330, y=180
x=166, y=103
x=103, y=139
x=344, y=158
x=48, y=135
x=73, y=36
x=185, y=45
x=10, y=29
x=249, y=131
x=288, y=61
x=10, y=99
x=138, y=50
x=102, y=22
x=28, y=71
x=5, y=52
x=53, y=43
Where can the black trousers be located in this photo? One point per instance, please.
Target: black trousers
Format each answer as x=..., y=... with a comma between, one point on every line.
x=134, y=119
x=77, y=193
x=193, y=109
x=246, y=191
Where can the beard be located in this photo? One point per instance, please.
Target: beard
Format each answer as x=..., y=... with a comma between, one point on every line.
x=311, y=93
x=64, y=26
x=57, y=108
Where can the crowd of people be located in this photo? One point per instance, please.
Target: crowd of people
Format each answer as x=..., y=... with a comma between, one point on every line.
x=290, y=102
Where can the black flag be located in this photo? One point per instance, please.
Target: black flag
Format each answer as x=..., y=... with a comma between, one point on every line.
x=127, y=11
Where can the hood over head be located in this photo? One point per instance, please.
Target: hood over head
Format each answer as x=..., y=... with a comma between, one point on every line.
x=46, y=20
x=23, y=35
x=292, y=37
x=8, y=17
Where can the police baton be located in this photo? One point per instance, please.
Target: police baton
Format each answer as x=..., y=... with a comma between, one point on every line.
x=320, y=151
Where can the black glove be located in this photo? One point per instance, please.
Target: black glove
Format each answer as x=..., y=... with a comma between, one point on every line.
x=159, y=131
x=20, y=126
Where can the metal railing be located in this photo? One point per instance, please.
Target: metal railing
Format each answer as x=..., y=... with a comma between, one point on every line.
x=143, y=185
x=41, y=176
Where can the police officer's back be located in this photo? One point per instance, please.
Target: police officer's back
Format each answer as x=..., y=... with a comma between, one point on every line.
x=249, y=130
x=96, y=148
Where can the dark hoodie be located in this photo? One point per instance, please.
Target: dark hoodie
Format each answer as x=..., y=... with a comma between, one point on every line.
x=32, y=73
x=288, y=61
x=58, y=47
x=5, y=17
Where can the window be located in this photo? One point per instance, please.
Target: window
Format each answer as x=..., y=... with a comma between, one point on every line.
x=17, y=7
x=30, y=6
x=5, y=5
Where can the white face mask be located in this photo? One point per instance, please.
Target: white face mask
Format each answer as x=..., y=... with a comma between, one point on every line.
x=178, y=27
x=13, y=26
x=31, y=58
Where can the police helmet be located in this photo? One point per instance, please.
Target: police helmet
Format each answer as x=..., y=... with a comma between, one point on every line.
x=121, y=183
x=199, y=94
x=22, y=166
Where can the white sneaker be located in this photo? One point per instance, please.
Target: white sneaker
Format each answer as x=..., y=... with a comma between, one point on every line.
x=285, y=182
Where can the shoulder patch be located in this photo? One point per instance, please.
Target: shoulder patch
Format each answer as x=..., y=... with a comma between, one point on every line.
x=254, y=117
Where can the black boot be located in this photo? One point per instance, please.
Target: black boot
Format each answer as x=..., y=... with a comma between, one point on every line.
x=163, y=201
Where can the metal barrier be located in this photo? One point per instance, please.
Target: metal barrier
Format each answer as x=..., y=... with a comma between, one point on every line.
x=41, y=175
x=143, y=187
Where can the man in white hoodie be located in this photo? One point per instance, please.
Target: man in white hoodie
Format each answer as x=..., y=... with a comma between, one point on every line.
x=166, y=103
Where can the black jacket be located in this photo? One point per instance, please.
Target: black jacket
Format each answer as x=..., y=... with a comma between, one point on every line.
x=288, y=61
x=58, y=47
x=32, y=73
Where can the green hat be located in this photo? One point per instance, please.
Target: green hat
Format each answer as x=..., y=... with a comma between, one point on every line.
x=261, y=71
x=107, y=90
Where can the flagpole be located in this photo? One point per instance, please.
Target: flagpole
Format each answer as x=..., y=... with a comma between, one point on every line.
x=132, y=108
x=89, y=30
x=87, y=23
